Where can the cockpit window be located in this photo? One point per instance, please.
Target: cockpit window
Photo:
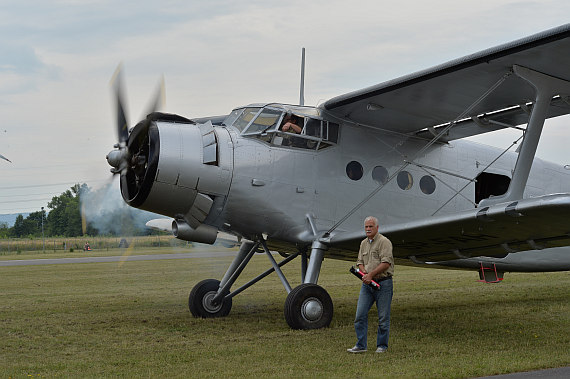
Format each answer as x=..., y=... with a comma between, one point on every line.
x=245, y=118
x=313, y=134
x=313, y=127
x=282, y=127
x=232, y=117
x=267, y=119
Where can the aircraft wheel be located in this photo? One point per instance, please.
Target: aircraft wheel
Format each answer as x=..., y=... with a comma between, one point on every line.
x=308, y=306
x=200, y=300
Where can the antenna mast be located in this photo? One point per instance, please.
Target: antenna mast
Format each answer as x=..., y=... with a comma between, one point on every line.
x=302, y=91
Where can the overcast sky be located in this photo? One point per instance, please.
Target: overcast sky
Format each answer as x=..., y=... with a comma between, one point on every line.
x=57, y=58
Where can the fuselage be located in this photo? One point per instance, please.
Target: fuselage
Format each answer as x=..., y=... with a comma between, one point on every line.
x=248, y=176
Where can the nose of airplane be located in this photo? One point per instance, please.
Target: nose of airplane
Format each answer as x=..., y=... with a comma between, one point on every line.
x=178, y=169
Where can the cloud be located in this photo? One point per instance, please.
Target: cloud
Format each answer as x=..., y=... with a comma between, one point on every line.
x=22, y=69
x=19, y=59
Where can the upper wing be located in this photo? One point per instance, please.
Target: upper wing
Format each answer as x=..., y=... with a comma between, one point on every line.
x=440, y=94
x=494, y=231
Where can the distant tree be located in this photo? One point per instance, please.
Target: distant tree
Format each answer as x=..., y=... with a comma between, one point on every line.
x=33, y=224
x=64, y=219
x=18, y=228
x=24, y=227
x=4, y=230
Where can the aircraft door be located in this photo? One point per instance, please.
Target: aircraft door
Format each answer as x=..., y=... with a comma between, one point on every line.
x=293, y=175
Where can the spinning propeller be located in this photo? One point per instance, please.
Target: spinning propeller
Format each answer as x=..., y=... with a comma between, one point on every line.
x=131, y=152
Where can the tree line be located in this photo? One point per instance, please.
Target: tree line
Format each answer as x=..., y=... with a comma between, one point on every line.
x=65, y=218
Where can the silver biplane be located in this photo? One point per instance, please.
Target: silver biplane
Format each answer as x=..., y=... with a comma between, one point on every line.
x=395, y=150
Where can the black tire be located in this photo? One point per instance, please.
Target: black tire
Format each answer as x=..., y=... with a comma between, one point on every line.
x=308, y=306
x=199, y=300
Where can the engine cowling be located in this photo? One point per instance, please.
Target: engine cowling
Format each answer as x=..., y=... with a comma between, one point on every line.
x=180, y=170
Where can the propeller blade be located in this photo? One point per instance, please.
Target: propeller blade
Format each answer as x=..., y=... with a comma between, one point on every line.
x=159, y=98
x=129, y=158
x=122, y=122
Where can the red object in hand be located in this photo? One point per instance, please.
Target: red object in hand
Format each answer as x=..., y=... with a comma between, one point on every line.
x=359, y=274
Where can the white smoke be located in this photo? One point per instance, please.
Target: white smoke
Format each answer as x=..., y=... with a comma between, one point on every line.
x=105, y=210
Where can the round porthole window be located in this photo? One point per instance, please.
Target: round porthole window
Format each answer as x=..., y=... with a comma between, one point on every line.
x=427, y=184
x=354, y=170
x=405, y=180
x=380, y=174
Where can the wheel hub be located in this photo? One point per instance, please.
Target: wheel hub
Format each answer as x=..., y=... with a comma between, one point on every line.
x=208, y=304
x=312, y=309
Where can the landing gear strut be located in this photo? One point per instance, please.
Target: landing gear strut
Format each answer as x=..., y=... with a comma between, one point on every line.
x=307, y=306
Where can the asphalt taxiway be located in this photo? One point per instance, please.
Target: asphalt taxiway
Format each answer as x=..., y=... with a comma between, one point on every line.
x=117, y=258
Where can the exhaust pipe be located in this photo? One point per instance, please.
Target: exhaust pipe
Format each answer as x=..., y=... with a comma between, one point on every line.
x=202, y=234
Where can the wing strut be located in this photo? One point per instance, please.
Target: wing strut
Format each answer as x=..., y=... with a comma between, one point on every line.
x=546, y=87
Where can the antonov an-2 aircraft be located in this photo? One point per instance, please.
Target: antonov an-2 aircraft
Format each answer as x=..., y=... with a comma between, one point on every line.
x=300, y=180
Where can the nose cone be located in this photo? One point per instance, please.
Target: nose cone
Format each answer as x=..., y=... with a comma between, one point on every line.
x=186, y=169
x=115, y=157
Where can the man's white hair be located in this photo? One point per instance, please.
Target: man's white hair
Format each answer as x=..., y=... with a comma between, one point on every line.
x=372, y=218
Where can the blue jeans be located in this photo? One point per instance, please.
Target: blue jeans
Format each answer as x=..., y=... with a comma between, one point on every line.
x=383, y=299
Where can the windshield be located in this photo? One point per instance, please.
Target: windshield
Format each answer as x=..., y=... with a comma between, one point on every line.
x=245, y=118
x=232, y=117
x=267, y=119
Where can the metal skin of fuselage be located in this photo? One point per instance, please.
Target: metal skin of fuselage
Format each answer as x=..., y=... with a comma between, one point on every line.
x=257, y=188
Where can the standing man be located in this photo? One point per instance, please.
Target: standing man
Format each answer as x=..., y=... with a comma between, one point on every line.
x=376, y=261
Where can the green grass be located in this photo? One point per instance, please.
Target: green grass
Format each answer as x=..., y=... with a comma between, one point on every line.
x=132, y=320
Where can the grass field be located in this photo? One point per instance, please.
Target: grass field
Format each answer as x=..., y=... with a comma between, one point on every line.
x=132, y=320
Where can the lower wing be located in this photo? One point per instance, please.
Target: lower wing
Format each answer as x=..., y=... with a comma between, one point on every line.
x=494, y=231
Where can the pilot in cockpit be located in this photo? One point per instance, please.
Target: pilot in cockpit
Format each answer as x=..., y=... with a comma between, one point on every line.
x=291, y=124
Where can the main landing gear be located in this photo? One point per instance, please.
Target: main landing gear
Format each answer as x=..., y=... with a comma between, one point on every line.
x=307, y=306
x=200, y=300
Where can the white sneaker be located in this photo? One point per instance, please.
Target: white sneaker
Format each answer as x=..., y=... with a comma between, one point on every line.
x=381, y=350
x=356, y=349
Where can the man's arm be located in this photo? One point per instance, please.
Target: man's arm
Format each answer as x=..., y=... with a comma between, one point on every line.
x=291, y=127
x=367, y=278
